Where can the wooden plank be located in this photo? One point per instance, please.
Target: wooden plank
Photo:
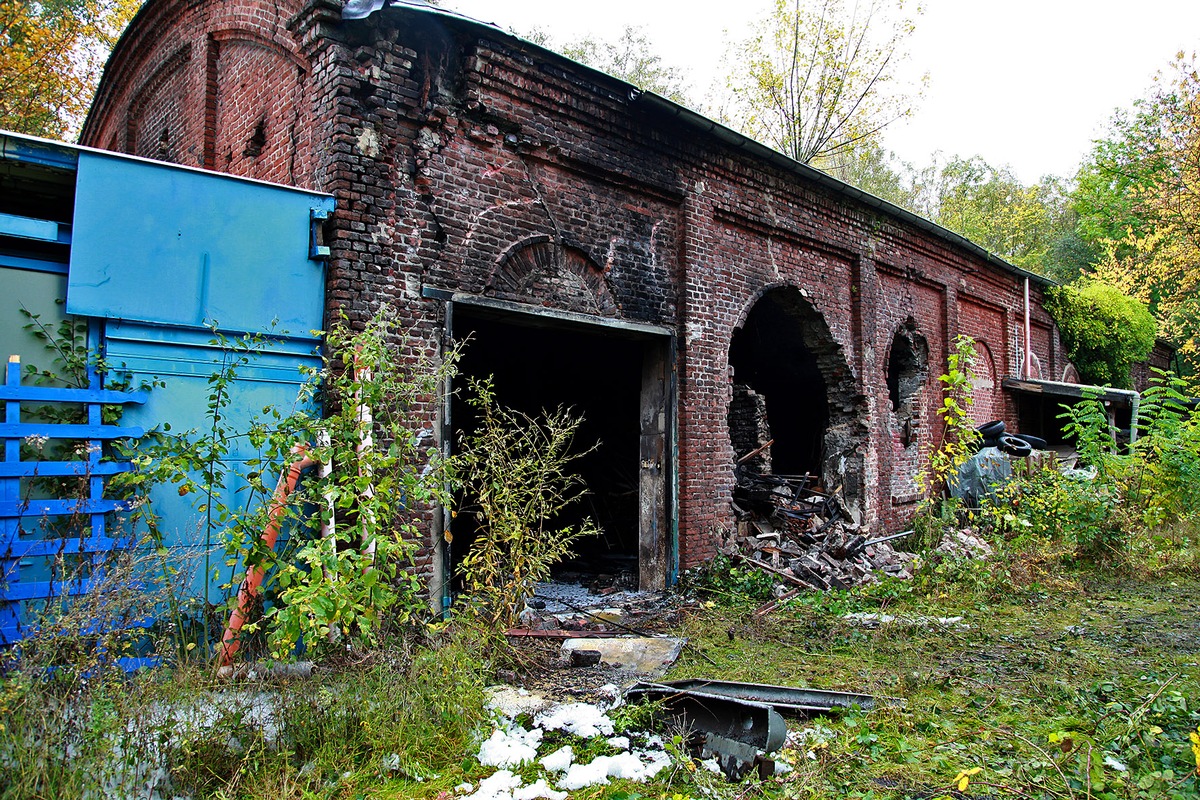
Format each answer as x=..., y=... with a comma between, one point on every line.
x=59, y=508
x=654, y=532
x=55, y=547
x=560, y=634
x=61, y=469
x=43, y=590
x=42, y=230
x=10, y=634
x=22, y=430
x=49, y=394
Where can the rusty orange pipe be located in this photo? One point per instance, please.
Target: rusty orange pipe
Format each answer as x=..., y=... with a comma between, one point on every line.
x=230, y=641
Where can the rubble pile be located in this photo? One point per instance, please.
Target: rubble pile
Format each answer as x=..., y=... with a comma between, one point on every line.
x=558, y=607
x=806, y=537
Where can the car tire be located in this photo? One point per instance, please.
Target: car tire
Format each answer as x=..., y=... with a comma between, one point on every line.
x=1036, y=442
x=991, y=430
x=1012, y=446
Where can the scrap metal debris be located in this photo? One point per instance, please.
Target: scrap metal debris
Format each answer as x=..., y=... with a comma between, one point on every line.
x=785, y=699
x=741, y=724
x=738, y=733
x=806, y=537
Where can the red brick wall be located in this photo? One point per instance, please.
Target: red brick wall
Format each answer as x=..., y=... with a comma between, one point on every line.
x=218, y=84
x=462, y=160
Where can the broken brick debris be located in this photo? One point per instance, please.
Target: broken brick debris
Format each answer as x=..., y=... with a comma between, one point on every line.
x=805, y=537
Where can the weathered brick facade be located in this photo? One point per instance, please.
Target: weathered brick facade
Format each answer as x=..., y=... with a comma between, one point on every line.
x=467, y=161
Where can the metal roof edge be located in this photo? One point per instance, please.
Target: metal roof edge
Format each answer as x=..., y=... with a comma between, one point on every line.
x=762, y=151
x=1064, y=389
x=35, y=142
x=35, y=150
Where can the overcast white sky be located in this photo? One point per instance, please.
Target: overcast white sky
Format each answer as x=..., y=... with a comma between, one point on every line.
x=1028, y=83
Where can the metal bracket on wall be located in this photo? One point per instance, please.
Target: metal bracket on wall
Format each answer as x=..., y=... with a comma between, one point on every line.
x=317, y=249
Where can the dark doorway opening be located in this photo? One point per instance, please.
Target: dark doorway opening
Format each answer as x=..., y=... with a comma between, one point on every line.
x=775, y=370
x=538, y=363
x=1042, y=415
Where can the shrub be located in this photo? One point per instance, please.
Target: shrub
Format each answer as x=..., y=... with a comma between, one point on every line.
x=959, y=438
x=516, y=470
x=1123, y=506
x=385, y=474
x=1105, y=331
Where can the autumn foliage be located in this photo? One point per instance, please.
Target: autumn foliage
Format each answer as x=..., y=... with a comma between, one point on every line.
x=1145, y=184
x=51, y=56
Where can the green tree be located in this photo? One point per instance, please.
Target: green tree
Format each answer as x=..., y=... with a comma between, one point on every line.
x=874, y=170
x=1138, y=200
x=1031, y=226
x=630, y=58
x=991, y=207
x=819, y=76
x=51, y=56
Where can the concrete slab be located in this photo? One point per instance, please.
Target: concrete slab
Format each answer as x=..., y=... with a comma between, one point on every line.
x=638, y=655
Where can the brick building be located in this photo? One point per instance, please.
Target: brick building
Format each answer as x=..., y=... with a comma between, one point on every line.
x=692, y=292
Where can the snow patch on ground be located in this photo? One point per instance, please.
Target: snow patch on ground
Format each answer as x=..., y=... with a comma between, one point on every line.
x=536, y=790
x=581, y=719
x=504, y=785
x=496, y=787
x=510, y=748
x=638, y=766
x=560, y=760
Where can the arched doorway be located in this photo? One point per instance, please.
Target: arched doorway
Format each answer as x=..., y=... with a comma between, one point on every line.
x=792, y=385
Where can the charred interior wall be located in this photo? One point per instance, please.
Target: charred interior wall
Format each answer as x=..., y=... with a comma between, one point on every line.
x=466, y=161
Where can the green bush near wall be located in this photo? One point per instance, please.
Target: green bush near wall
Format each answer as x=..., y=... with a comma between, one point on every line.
x=1105, y=330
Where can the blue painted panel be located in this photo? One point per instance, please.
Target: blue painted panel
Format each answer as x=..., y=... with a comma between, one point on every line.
x=15, y=147
x=184, y=360
x=34, y=264
x=22, y=430
x=30, y=228
x=157, y=243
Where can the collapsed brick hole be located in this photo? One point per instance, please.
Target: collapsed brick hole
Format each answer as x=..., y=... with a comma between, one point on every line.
x=907, y=369
x=257, y=140
x=596, y=374
x=792, y=384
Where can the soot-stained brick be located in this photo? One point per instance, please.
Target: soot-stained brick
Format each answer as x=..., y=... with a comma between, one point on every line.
x=466, y=160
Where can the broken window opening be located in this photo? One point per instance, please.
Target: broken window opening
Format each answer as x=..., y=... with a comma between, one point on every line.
x=810, y=409
x=907, y=371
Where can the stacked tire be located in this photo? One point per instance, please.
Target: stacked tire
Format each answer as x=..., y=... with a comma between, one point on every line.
x=1018, y=445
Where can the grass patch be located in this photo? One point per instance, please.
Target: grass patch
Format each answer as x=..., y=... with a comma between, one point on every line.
x=1066, y=682
x=1090, y=692
x=411, y=714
